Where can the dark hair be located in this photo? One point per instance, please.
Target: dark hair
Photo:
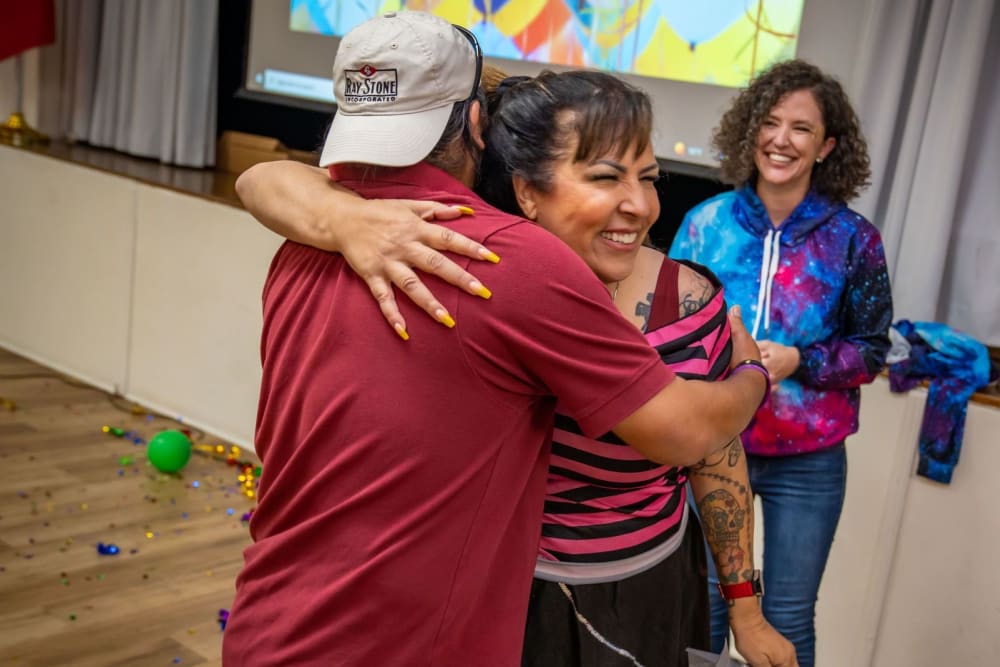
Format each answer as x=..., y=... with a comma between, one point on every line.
x=844, y=172
x=456, y=142
x=533, y=122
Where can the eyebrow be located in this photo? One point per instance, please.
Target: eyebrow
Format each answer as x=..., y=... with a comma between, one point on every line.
x=620, y=167
x=793, y=121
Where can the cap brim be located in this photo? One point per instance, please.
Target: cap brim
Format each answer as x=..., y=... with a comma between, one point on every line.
x=389, y=141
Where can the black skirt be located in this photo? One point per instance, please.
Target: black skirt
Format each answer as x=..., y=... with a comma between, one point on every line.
x=648, y=619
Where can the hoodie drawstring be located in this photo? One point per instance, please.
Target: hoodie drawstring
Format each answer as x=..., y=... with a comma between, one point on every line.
x=768, y=268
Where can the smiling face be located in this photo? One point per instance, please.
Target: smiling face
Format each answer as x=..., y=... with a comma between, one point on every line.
x=790, y=140
x=601, y=208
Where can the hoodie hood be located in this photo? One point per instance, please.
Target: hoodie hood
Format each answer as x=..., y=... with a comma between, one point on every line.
x=749, y=212
x=813, y=211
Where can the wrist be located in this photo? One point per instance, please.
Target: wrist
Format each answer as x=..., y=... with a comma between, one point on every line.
x=748, y=588
x=800, y=363
x=744, y=612
x=754, y=366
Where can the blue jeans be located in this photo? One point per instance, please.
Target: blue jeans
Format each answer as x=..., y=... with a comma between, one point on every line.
x=802, y=496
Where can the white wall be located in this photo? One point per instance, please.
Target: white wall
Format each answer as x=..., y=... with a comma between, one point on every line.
x=66, y=236
x=134, y=288
x=196, y=310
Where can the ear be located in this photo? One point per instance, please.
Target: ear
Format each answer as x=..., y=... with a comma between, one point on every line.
x=827, y=147
x=476, y=125
x=526, y=196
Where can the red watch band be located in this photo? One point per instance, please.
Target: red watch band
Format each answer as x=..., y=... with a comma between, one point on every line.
x=744, y=589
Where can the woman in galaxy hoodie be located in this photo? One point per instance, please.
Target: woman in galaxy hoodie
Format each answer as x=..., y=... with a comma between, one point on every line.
x=810, y=276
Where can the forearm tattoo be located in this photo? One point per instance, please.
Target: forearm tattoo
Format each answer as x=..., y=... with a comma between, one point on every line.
x=726, y=512
x=729, y=455
x=723, y=518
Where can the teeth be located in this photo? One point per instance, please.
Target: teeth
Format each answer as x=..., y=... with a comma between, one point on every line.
x=779, y=158
x=620, y=238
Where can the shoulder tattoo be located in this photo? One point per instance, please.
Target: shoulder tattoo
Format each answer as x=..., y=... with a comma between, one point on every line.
x=696, y=295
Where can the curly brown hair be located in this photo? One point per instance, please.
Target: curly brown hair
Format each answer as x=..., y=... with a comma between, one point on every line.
x=844, y=172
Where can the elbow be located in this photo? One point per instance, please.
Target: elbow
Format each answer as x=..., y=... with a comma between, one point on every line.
x=244, y=183
x=706, y=444
x=684, y=450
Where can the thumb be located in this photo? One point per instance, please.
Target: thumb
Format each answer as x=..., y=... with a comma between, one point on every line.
x=736, y=318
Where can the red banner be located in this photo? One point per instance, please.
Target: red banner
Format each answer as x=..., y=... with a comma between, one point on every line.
x=25, y=24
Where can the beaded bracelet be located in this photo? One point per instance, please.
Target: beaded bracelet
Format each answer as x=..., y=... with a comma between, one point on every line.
x=753, y=364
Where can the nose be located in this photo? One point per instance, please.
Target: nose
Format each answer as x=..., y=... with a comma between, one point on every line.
x=640, y=201
x=782, y=135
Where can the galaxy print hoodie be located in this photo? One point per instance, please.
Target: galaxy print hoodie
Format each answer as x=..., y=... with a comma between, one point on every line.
x=817, y=282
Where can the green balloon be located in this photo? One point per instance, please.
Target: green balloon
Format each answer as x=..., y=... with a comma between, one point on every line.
x=169, y=451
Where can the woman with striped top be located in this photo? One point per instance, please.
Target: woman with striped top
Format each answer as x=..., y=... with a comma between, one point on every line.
x=621, y=572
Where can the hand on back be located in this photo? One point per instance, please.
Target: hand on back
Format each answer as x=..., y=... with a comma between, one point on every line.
x=397, y=240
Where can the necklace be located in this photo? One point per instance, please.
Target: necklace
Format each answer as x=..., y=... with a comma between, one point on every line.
x=614, y=293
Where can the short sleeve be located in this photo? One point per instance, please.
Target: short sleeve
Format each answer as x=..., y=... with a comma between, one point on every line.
x=560, y=333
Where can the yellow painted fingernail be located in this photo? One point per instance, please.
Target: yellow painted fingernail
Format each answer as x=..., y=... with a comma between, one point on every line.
x=444, y=318
x=489, y=255
x=465, y=210
x=401, y=331
x=480, y=289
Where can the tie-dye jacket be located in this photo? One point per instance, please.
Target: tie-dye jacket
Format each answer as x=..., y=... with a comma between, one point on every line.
x=817, y=282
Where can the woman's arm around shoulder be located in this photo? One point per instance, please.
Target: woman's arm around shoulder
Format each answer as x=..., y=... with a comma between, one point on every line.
x=384, y=241
x=689, y=419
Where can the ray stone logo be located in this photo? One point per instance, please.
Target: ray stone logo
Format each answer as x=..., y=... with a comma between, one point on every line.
x=370, y=85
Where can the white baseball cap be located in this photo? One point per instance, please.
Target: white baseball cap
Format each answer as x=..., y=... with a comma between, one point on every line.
x=396, y=79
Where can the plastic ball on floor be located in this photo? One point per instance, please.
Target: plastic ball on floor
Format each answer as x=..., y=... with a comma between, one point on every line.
x=169, y=451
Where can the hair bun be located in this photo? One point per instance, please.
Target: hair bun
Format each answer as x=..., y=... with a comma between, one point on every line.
x=510, y=82
x=495, y=98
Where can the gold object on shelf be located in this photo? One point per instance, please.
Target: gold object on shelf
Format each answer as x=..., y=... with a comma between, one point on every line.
x=16, y=132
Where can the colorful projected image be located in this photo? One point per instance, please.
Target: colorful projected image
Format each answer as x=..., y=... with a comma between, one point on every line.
x=720, y=42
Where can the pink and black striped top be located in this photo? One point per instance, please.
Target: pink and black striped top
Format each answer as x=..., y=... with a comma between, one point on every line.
x=609, y=512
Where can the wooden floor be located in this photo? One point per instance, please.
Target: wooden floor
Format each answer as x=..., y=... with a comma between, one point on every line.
x=66, y=486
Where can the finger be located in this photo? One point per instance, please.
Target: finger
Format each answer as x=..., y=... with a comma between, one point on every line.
x=429, y=210
x=382, y=291
x=441, y=213
x=443, y=238
x=744, y=346
x=433, y=262
x=405, y=279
